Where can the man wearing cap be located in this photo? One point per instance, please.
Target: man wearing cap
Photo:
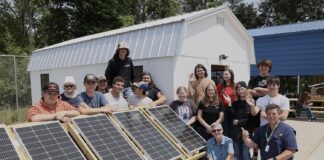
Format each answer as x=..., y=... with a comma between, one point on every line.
x=121, y=65
x=70, y=94
x=115, y=97
x=139, y=99
x=92, y=101
x=102, y=85
x=50, y=107
x=219, y=146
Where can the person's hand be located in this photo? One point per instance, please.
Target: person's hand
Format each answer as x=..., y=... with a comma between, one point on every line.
x=131, y=107
x=250, y=101
x=209, y=130
x=245, y=133
x=192, y=77
x=59, y=116
x=66, y=119
x=106, y=109
x=227, y=98
x=235, y=122
x=152, y=104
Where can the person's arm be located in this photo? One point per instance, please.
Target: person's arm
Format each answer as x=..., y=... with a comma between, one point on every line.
x=71, y=113
x=132, y=76
x=192, y=120
x=253, y=108
x=108, y=73
x=161, y=99
x=202, y=121
x=284, y=115
x=85, y=109
x=247, y=140
x=286, y=154
x=42, y=117
x=285, y=108
x=230, y=150
x=221, y=118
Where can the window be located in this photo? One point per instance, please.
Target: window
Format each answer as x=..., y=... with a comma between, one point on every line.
x=44, y=79
x=217, y=73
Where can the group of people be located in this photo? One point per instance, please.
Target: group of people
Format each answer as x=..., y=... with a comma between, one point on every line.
x=225, y=115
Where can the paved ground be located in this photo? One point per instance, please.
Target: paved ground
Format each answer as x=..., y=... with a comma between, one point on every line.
x=310, y=138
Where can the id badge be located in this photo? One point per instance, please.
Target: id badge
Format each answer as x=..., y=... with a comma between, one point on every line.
x=266, y=149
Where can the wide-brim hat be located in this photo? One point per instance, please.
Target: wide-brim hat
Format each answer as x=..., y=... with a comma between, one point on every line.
x=123, y=45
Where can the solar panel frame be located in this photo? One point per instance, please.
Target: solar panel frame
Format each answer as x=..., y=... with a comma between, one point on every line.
x=146, y=153
x=51, y=141
x=4, y=136
x=180, y=143
x=89, y=143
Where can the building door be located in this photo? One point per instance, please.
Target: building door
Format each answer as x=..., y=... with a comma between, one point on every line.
x=217, y=73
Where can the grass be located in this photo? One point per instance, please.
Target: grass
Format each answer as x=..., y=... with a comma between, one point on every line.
x=13, y=116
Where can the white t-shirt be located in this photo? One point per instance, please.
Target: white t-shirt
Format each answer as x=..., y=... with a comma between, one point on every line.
x=118, y=103
x=139, y=102
x=280, y=100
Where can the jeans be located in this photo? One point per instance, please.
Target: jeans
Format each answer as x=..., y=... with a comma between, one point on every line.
x=241, y=151
x=308, y=112
x=127, y=92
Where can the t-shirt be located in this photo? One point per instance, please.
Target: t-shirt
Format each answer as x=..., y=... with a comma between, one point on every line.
x=153, y=93
x=134, y=100
x=210, y=113
x=185, y=110
x=41, y=108
x=258, y=81
x=73, y=101
x=241, y=112
x=228, y=90
x=280, y=100
x=198, y=88
x=283, y=137
x=97, y=101
x=118, y=103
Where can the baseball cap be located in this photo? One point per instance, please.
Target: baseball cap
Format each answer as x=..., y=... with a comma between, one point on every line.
x=51, y=87
x=241, y=84
x=90, y=77
x=123, y=45
x=141, y=85
x=101, y=78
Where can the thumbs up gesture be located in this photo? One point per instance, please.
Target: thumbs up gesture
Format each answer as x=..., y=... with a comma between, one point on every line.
x=245, y=133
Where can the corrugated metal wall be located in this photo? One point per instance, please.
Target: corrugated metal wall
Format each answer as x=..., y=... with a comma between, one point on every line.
x=158, y=41
x=299, y=53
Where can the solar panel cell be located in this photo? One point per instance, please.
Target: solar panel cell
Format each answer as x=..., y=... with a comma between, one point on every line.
x=185, y=135
x=7, y=150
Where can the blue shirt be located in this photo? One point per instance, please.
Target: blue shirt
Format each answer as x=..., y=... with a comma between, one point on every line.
x=283, y=137
x=219, y=151
x=97, y=101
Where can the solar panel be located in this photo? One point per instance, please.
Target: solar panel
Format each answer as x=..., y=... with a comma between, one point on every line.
x=143, y=132
x=7, y=149
x=48, y=141
x=189, y=139
x=104, y=138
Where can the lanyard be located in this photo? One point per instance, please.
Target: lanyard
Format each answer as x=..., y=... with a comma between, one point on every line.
x=266, y=134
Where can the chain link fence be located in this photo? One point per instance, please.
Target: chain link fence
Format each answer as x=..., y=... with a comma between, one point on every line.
x=15, y=92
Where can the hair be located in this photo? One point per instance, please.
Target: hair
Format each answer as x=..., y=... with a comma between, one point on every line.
x=117, y=52
x=118, y=79
x=273, y=80
x=205, y=101
x=200, y=66
x=215, y=125
x=266, y=62
x=232, y=84
x=183, y=88
x=247, y=94
x=272, y=106
x=151, y=84
x=305, y=97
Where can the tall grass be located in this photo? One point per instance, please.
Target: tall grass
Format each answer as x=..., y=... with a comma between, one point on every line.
x=13, y=116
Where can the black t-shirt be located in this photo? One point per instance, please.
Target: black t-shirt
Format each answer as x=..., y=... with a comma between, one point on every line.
x=186, y=110
x=153, y=93
x=241, y=112
x=211, y=113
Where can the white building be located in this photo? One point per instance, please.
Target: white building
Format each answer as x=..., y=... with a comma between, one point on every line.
x=168, y=48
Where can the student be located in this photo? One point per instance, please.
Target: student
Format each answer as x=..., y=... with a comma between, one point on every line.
x=184, y=107
x=70, y=94
x=139, y=99
x=115, y=97
x=102, y=85
x=305, y=101
x=153, y=92
x=91, y=101
x=50, y=107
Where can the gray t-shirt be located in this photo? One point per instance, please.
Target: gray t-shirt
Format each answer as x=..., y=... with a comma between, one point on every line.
x=139, y=102
x=97, y=101
x=118, y=103
x=185, y=110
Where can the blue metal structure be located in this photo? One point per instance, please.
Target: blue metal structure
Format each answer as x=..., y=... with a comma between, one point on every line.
x=296, y=49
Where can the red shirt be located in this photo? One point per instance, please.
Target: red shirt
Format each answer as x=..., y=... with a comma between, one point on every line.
x=228, y=90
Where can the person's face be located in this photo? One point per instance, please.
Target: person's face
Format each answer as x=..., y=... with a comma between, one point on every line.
x=138, y=91
x=273, y=88
x=146, y=79
x=118, y=87
x=217, y=132
x=122, y=53
x=210, y=91
x=50, y=98
x=227, y=75
x=264, y=69
x=200, y=72
x=69, y=87
x=102, y=84
x=273, y=116
x=241, y=91
x=90, y=85
x=182, y=95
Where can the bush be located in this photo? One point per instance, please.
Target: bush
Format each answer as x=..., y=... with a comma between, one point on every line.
x=13, y=116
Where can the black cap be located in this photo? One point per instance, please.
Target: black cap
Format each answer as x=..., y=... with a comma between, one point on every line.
x=90, y=77
x=51, y=87
x=241, y=84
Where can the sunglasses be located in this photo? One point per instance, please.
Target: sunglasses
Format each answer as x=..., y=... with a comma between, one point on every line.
x=91, y=82
x=217, y=130
x=69, y=86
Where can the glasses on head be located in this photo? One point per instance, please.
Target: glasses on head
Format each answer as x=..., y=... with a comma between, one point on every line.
x=69, y=86
x=91, y=82
x=216, y=130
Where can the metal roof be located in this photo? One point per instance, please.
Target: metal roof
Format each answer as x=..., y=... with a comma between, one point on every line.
x=289, y=28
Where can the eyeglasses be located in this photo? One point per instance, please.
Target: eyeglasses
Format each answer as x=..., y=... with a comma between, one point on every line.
x=69, y=86
x=91, y=82
x=217, y=130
